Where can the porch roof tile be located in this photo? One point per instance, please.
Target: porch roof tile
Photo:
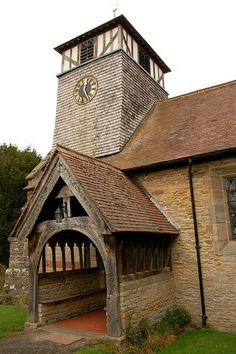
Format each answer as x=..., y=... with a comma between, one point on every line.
x=122, y=204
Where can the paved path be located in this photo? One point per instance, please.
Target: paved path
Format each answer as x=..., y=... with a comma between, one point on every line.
x=45, y=341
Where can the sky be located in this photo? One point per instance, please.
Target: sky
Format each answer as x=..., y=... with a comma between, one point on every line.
x=195, y=38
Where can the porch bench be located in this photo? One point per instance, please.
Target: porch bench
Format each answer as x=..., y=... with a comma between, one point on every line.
x=64, y=298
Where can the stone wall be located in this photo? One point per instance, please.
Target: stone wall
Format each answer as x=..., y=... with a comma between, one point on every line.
x=62, y=295
x=170, y=187
x=69, y=284
x=146, y=298
x=125, y=94
x=16, y=277
x=50, y=312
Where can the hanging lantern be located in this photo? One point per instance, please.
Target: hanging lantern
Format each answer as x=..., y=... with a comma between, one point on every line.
x=58, y=214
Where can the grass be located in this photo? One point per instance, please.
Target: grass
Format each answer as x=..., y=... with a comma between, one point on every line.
x=198, y=341
x=12, y=319
x=101, y=348
x=202, y=341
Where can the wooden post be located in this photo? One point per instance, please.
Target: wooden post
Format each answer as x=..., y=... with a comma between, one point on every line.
x=119, y=258
x=87, y=254
x=54, y=266
x=99, y=260
x=79, y=245
x=62, y=246
x=71, y=246
x=138, y=257
x=44, y=260
x=33, y=295
x=52, y=245
x=113, y=319
x=124, y=259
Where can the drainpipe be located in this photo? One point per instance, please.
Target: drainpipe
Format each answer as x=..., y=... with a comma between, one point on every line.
x=197, y=246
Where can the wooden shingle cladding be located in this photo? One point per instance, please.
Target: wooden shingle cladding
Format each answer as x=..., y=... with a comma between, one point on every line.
x=103, y=126
x=111, y=36
x=192, y=125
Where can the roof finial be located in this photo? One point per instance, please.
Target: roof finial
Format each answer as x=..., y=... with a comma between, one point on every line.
x=114, y=9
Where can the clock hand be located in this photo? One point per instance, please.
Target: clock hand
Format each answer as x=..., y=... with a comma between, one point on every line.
x=84, y=90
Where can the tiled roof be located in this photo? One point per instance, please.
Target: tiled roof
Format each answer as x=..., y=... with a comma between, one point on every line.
x=122, y=204
x=194, y=124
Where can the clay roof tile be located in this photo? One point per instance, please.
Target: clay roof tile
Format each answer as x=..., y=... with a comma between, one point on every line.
x=120, y=201
x=195, y=124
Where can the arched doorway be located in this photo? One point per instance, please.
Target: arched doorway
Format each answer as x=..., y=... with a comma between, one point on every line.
x=72, y=272
x=71, y=277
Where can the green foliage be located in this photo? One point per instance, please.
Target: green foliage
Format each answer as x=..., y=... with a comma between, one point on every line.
x=12, y=319
x=24, y=299
x=15, y=164
x=9, y=298
x=146, y=339
x=6, y=298
x=174, y=320
x=149, y=339
x=163, y=327
x=2, y=275
x=137, y=336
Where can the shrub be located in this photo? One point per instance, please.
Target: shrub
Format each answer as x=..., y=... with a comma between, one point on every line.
x=136, y=336
x=148, y=339
x=24, y=299
x=6, y=298
x=163, y=327
x=175, y=319
x=2, y=275
x=157, y=341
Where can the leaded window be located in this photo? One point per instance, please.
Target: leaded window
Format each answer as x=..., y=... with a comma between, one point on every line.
x=87, y=50
x=231, y=194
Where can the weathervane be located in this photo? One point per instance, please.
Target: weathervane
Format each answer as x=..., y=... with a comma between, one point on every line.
x=114, y=9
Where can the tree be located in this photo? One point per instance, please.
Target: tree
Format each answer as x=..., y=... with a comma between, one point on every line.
x=15, y=164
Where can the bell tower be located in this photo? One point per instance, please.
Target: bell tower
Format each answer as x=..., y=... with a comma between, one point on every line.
x=110, y=77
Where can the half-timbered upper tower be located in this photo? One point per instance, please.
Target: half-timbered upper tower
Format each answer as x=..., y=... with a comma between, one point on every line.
x=110, y=78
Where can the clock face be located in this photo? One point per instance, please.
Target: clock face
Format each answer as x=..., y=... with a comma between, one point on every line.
x=85, y=89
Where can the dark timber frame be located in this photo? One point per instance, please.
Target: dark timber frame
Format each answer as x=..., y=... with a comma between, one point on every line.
x=119, y=256
x=92, y=226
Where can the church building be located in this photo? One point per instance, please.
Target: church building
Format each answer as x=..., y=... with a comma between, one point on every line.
x=133, y=211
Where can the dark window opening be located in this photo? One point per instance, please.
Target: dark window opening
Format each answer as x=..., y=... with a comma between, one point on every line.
x=59, y=205
x=231, y=194
x=76, y=208
x=144, y=60
x=51, y=204
x=87, y=50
